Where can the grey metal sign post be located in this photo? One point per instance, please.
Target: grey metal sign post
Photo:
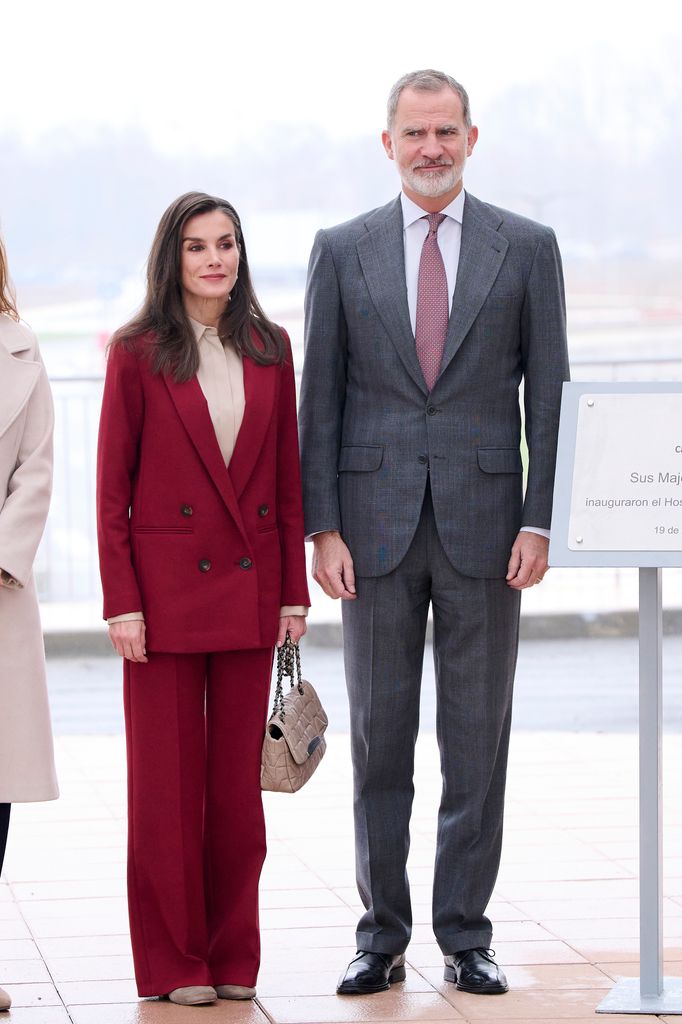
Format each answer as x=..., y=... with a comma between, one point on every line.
x=618, y=502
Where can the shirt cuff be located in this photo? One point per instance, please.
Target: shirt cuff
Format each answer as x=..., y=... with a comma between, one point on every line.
x=535, y=529
x=9, y=581
x=128, y=617
x=292, y=609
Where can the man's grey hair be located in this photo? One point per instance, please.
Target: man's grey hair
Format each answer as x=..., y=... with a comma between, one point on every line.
x=426, y=81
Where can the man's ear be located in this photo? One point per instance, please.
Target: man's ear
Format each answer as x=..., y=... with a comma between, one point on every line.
x=472, y=136
x=388, y=144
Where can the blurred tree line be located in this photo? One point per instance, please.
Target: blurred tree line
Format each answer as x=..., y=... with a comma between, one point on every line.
x=597, y=157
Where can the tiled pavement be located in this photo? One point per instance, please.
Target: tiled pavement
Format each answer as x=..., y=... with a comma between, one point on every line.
x=565, y=907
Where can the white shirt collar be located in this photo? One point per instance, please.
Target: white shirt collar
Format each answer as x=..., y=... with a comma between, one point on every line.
x=201, y=330
x=412, y=212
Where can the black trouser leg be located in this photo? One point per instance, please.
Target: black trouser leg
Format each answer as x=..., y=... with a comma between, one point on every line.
x=4, y=827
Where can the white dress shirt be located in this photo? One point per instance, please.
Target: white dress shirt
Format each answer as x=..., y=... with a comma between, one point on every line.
x=415, y=230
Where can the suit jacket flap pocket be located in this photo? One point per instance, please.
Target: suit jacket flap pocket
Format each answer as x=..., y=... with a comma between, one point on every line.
x=360, y=458
x=500, y=460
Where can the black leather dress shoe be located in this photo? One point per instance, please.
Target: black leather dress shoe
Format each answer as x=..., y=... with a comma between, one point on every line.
x=371, y=972
x=474, y=970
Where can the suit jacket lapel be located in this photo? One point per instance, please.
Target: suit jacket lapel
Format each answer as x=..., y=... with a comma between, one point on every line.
x=192, y=409
x=382, y=258
x=259, y=392
x=481, y=255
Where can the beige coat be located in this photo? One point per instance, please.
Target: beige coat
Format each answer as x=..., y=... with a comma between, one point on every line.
x=26, y=420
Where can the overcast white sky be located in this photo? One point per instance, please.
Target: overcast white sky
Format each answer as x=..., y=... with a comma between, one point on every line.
x=205, y=75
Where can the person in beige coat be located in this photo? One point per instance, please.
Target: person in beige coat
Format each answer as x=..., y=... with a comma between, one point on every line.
x=26, y=755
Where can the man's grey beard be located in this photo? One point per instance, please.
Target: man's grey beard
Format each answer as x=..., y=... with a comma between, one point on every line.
x=441, y=180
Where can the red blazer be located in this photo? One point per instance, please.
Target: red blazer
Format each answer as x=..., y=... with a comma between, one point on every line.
x=209, y=554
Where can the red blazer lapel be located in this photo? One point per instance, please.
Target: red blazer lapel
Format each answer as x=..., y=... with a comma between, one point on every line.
x=192, y=409
x=260, y=384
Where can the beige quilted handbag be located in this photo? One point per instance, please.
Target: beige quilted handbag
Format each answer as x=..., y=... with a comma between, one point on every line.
x=294, y=741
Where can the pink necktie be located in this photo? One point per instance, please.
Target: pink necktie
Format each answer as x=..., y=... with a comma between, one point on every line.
x=432, y=304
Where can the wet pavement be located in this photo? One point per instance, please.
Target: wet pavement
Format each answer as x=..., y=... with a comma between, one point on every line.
x=565, y=908
x=576, y=685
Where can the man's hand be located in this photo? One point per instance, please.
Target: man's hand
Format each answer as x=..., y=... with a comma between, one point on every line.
x=528, y=561
x=333, y=565
x=128, y=639
x=294, y=625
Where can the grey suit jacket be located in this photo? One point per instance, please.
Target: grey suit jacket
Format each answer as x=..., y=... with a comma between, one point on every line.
x=371, y=434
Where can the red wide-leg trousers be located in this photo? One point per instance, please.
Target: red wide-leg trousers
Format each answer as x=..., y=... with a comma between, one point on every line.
x=196, y=834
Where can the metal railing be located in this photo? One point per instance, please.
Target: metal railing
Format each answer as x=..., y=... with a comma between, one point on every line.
x=67, y=566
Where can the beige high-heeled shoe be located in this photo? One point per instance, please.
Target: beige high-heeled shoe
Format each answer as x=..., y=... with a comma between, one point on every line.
x=5, y=1000
x=235, y=992
x=193, y=995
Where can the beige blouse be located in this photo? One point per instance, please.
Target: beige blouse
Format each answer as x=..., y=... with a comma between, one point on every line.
x=221, y=379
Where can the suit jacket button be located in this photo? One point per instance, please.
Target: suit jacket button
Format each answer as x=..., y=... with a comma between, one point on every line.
x=204, y=565
x=423, y=459
x=187, y=510
x=431, y=410
x=245, y=563
x=263, y=510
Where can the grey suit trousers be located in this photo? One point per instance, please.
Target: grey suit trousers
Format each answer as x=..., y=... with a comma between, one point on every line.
x=475, y=647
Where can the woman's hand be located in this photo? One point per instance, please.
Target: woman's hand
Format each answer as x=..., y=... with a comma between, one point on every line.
x=128, y=639
x=294, y=625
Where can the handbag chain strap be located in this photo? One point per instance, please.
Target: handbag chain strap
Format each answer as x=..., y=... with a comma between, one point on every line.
x=288, y=663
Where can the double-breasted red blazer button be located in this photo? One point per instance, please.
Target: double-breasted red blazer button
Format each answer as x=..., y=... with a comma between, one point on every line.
x=263, y=510
x=245, y=563
x=187, y=510
x=204, y=565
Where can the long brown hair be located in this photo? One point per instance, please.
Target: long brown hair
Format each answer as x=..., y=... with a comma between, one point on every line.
x=173, y=345
x=8, y=303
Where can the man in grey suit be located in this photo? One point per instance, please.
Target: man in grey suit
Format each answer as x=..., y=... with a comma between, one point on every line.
x=422, y=319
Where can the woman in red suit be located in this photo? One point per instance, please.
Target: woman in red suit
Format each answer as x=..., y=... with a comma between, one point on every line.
x=203, y=571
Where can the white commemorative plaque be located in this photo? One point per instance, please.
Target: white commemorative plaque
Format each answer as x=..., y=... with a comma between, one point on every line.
x=618, y=502
x=627, y=479
x=618, y=490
